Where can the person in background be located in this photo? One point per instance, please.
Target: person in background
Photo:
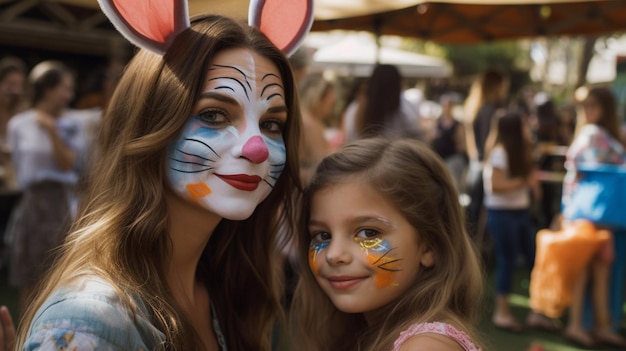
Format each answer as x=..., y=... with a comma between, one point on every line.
x=596, y=142
x=386, y=112
x=355, y=97
x=383, y=268
x=487, y=94
x=508, y=181
x=449, y=141
x=549, y=158
x=318, y=98
x=300, y=62
x=382, y=110
x=45, y=152
x=568, y=124
x=12, y=87
x=12, y=92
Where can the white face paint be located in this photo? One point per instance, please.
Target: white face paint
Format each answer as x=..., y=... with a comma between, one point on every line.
x=231, y=151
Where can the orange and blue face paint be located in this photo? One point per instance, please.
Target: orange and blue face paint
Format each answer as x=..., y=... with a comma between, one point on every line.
x=377, y=254
x=314, y=250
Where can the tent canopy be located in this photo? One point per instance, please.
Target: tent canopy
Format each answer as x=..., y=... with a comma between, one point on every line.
x=473, y=21
x=79, y=26
x=356, y=55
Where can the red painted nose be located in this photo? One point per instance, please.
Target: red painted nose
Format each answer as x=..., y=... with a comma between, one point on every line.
x=255, y=150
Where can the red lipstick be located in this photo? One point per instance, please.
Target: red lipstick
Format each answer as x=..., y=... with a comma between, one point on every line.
x=241, y=181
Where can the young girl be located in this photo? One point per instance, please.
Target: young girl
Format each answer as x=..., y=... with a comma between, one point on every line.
x=391, y=265
x=508, y=180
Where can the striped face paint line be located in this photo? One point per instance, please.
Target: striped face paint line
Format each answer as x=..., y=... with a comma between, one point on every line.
x=243, y=82
x=377, y=252
x=314, y=249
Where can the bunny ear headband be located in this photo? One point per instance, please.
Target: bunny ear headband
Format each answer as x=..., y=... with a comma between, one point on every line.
x=153, y=24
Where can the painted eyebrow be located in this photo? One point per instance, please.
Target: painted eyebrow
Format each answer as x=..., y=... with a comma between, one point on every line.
x=220, y=97
x=244, y=76
x=269, y=86
x=226, y=87
x=271, y=75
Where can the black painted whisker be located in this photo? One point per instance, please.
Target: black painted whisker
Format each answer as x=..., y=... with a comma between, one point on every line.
x=194, y=155
x=189, y=162
x=205, y=144
x=196, y=171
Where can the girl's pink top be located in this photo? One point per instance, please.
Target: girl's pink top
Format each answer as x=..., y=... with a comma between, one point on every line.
x=438, y=328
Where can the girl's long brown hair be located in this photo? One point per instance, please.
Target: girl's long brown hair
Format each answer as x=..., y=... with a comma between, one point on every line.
x=609, y=119
x=507, y=129
x=121, y=233
x=415, y=180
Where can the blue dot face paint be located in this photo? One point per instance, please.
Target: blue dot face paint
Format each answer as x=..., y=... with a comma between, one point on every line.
x=231, y=152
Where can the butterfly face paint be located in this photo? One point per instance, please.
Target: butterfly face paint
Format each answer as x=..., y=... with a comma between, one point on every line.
x=231, y=152
x=364, y=254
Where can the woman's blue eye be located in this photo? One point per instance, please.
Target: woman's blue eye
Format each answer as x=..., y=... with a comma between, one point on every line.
x=213, y=117
x=272, y=126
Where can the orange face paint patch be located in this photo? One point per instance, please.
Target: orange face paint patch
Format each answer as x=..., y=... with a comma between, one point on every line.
x=314, y=250
x=387, y=268
x=312, y=262
x=198, y=190
x=377, y=254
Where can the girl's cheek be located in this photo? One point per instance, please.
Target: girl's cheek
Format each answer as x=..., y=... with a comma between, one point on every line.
x=385, y=266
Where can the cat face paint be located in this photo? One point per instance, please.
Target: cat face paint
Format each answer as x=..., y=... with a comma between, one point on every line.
x=231, y=151
x=364, y=254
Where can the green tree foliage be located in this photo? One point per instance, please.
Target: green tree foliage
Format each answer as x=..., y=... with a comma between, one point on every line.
x=472, y=59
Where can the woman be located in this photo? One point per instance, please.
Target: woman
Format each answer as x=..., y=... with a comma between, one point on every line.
x=382, y=110
x=449, y=141
x=174, y=243
x=487, y=95
x=597, y=142
x=508, y=180
x=45, y=147
x=318, y=98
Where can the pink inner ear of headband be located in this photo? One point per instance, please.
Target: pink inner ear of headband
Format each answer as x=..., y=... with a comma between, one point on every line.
x=153, y=24
x=157, y=30
x=285, y=23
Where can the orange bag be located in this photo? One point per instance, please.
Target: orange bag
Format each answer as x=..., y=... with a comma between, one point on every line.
x=560, y=258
